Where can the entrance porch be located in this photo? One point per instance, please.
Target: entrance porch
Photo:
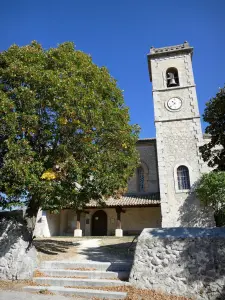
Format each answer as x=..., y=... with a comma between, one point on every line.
x=118, y=217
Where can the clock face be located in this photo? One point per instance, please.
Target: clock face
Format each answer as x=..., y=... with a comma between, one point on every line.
x=174, y=103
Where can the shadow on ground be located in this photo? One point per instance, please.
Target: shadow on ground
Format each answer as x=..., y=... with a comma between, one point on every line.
x=113, y=252
x=53, y=247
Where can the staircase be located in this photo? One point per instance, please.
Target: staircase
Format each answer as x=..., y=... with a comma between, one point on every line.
x=83, y=279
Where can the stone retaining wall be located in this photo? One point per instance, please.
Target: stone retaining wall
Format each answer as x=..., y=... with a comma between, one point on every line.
x=181, y=261
x=17, y=259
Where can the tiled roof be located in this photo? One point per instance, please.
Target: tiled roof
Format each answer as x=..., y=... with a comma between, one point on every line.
x=129, y=200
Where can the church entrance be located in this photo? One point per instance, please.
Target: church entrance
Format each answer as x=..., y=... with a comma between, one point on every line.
x=99, y=223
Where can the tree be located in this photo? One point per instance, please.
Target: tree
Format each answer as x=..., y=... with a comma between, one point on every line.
x=214, y=114
x=65, y=135
x=210, y=190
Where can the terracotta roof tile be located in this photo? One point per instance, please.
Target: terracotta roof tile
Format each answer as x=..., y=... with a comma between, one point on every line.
x=129, y=200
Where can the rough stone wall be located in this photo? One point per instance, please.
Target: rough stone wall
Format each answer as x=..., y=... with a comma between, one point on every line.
x=177, y=143
x=181, y=261
x=159, y=66
x=17, y=259
x=178, y=135
x=148, y=157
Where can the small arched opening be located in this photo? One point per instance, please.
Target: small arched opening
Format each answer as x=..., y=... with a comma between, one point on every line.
x=172, y=77
x=183, y=178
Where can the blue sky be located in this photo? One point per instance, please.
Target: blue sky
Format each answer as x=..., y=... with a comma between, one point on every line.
x=118, y=35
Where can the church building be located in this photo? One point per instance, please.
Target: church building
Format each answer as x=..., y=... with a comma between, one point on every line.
x=161, y=192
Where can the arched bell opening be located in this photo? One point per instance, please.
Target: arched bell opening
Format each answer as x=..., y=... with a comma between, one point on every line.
x=172, y=77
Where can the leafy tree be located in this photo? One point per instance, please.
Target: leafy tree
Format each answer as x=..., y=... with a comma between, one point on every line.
x=214, y=114
x=210, y=190
x=65, y=135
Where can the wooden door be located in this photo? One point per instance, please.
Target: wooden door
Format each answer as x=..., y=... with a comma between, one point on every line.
x=99, y=223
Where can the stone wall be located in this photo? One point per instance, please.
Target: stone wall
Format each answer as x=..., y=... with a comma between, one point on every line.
x=181, y=261
x=177, y=144
x=17, y=259
x=148, y=158
x=178, y=136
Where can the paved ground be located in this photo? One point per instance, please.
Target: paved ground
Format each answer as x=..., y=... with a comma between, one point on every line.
x=87, y=246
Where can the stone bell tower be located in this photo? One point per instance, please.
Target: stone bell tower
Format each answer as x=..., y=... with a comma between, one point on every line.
x=178, y=135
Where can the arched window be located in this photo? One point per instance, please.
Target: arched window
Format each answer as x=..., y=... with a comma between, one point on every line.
x=183, y=178
x=141, y=179
x=172, y=77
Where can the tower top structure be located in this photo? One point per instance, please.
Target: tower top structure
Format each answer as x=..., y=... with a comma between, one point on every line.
x=155, y=53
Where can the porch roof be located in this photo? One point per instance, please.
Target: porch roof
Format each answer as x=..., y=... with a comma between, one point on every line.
x=128, y=201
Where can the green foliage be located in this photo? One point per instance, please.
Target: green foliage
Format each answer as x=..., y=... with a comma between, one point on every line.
x=65, y=135
x=210, y=190
x=214, y=114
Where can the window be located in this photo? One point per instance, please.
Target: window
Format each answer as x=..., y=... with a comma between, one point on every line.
x=141, y=179
x=183, y=178
x=172, y=77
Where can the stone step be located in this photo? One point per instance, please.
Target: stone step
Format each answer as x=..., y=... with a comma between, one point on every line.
x=86, y=293
x=88, y=265
x=74, y=282
x=122, y=275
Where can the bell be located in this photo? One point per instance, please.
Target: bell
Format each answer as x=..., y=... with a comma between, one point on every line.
x=171, y=80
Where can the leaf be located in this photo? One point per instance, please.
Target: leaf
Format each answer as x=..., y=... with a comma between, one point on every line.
x=214, y=151
x=63, y=121
x=49, y=175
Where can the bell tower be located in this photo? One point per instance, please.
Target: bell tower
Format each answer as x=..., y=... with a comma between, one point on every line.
x=178, y=135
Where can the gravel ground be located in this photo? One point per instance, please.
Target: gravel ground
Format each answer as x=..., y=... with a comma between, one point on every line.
x=141, y=294
x=13, y=291
x=86, y=248
x=56, y=248
x=12, y=295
